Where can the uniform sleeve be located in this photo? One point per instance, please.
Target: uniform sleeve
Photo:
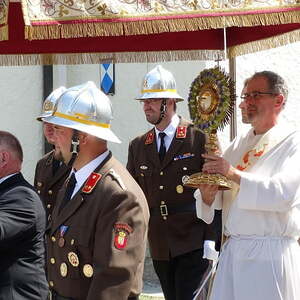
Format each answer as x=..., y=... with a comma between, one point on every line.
x=17, y=216
x=118, y=253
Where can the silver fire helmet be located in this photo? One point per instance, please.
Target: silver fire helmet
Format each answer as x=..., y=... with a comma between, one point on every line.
x=85, y=108
x=159, y=83
x=49, y=103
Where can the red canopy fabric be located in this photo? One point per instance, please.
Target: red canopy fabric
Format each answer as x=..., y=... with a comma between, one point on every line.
x=201, y=44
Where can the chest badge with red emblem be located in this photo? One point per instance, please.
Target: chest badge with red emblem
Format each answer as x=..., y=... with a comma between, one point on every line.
x=181, y=132
x=149, y=138
x=91, y=182
x=122, y=231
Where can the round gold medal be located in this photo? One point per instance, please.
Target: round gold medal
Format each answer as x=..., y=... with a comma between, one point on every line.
x=73, y=259
x=179, y=189
x=63, y=269
x=88, y=270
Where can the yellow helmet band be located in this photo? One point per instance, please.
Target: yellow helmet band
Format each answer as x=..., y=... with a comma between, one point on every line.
x=79, y=119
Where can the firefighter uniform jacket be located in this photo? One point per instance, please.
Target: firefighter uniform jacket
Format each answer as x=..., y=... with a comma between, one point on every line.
x=174, y=228
x=96, y=243
x=48, y=181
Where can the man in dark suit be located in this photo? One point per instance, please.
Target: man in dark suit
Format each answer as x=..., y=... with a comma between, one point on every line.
x=97, y=236
x=50, y=171
x=160, y=160
x=22, y=227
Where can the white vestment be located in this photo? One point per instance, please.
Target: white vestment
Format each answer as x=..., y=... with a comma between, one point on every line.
x=261, y=258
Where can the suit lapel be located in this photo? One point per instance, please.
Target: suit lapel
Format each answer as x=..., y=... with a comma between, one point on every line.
x=79, y=198
x=177, y=142
x=150, y=146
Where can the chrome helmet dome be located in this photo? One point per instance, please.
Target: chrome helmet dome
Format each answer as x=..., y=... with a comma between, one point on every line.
x=49, y=103
x=159, y=83
x=85, y=108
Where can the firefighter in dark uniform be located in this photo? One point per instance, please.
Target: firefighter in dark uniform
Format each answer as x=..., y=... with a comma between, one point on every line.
x=177, y=238
x=97, y=236
x=50, y=171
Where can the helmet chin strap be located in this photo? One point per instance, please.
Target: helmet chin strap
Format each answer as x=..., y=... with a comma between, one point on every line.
x=74, y=147
x=163, y=110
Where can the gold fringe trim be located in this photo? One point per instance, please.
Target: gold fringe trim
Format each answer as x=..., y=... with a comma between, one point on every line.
x=3, y=33
x=119, y=57
x=156, y=26
x=272, y=42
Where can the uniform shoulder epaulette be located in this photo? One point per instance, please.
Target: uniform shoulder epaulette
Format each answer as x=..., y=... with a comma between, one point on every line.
x=149, y=138
x=118, y=178
x=91, y=182
x=181, y=132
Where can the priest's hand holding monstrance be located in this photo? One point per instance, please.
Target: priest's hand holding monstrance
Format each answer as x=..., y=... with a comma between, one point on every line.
x=211, y=104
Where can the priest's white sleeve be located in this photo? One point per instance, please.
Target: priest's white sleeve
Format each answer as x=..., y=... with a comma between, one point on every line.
x=204, y=211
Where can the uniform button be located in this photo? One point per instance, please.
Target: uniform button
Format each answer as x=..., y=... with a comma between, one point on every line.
x=72, y=241
x=50, y=192
x=161, y=187
x=48, y=206
x=161, y=173
x=53, y=239
x=51, y=283
x=52, y=260
x=184, y=168
x=142, y=174
x=38, y=191
x=39, y=184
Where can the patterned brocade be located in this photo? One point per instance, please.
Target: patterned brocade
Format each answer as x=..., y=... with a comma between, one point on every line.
x=83, y=18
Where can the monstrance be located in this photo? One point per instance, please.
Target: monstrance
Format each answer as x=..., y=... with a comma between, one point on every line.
x=211, y=104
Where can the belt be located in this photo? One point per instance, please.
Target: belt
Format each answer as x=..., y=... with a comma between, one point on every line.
x=55, y=296
x=165, y=210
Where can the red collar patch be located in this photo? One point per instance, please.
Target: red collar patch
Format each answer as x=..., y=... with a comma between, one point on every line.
x=181, y=132
x=149, y=138
x=91, y=182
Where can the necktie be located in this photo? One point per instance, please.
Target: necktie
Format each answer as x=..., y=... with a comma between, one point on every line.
x=162, y=148
x=69, y=190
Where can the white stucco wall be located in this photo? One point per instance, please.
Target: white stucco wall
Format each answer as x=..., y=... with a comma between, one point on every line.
x=20, y=103
x=21, y=95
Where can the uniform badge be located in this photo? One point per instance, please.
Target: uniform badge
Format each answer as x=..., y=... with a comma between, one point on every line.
x=73, y=259
x=91, y=182
x=149, y=138
x=62, y=230
x=143, y=167
x=181, y=132
x=63, y=269
x=122, y=231
x=185, y=179
x=88, y=270
x=179, y=189
x=48, y=106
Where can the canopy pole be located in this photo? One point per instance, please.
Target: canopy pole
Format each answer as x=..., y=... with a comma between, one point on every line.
x=233, y=122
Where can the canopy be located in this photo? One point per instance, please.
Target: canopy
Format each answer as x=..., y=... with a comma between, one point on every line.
x=93, y=31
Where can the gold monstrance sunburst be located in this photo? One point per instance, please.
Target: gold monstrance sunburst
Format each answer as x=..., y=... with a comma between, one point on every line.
x=211, y=104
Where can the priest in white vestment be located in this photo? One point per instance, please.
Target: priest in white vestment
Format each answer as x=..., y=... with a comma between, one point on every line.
x=260, y=259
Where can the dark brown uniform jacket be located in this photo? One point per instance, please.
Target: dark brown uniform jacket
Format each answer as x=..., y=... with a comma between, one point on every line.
x=181, y=232
x=103, y=249
x=47, y=182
